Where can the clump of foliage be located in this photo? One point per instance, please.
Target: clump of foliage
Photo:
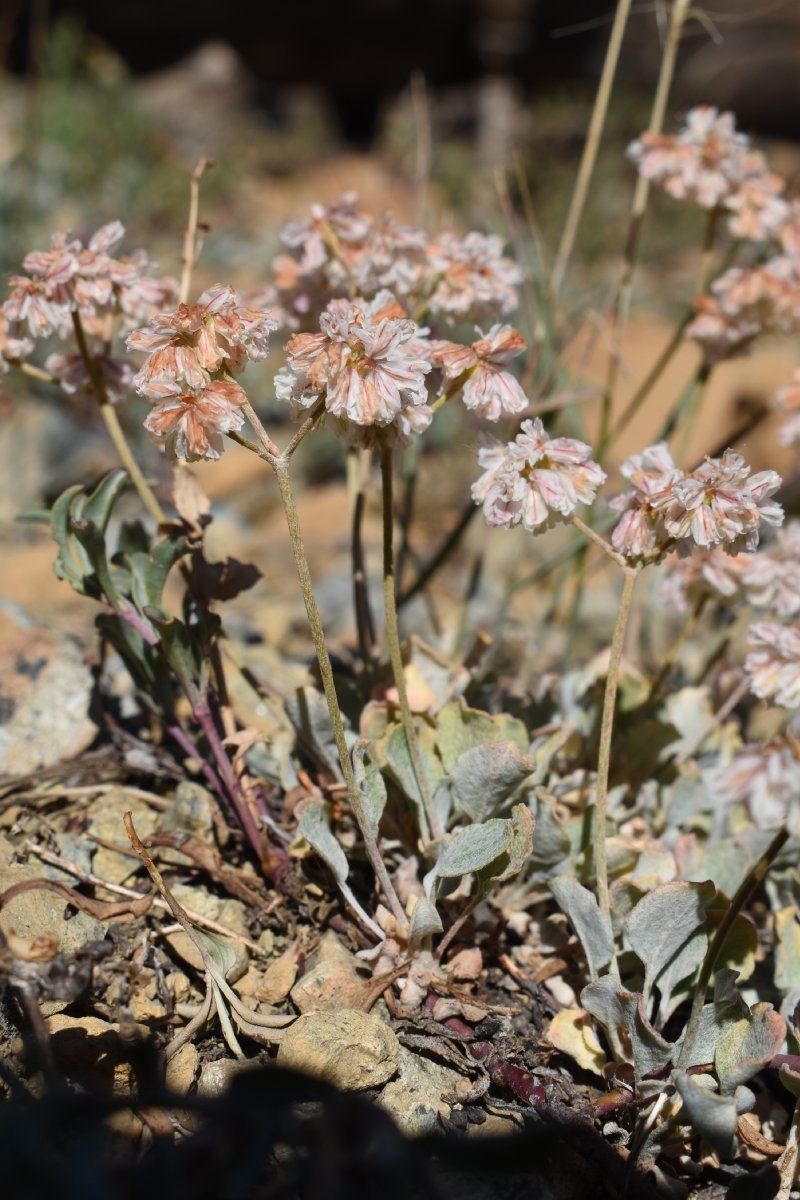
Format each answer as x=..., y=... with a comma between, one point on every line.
x=631, y=806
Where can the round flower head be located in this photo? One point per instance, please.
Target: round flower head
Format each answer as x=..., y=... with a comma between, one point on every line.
x=704, y=162
x=771, y=576
x=720, y=503
x=191, y=424
x=195, y=340
x=773, y=663
x=703, y=575
x=640, y=531
x=474, y=279
x=489, y=390
x=71, y=277
x=745, y=302
x=369, y=360
x=767, y=780
x=535, y=480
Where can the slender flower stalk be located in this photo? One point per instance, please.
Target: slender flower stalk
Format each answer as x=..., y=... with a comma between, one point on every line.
x=357, y=473
x=281, y=469
x=622, y=300
x=115, y=432
x=191, y=240
x=429, y=818
x=591, y=146
x=631, y=574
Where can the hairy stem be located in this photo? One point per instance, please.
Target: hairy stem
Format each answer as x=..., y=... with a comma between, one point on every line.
x=281, y=468
x=191, y=242
x=109, y=415
x=622, y=300
x=428, y=814
x=365, y=625
x=754, y=877
x=591, y=146
x=631, y=574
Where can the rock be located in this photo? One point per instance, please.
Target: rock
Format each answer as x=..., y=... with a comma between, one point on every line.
x=414, y=1099
x=182, y=1069
x=215, y=1077
x=106, y=822
x=145, y=1005
x=278, y=979
x=40, y=913
x=352, y=1050
x=45, y=693
x=332, y=981
x=91, y=1052
x=496, y=1125
x=190, y=810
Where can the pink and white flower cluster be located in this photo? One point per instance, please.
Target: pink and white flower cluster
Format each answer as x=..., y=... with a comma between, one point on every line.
x=369, y=362
x=745, y=302
x=535, y=480
x=192, y=351
x=488, y=388
x=768, y=579
x=719, y=503
x=339, y=251
x=767, y=780
x=107, y=294
x=711, y=164
x=773, y=663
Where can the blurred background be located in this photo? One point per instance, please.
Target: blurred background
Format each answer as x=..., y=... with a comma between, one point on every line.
x=106, y=106
x=471, y=113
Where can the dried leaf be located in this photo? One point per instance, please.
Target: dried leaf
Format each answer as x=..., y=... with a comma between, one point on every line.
x=103, y=910
x=572, y=1033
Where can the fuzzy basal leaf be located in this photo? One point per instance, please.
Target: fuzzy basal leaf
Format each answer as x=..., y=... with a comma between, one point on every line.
x=309, y=715
x=665, y=923
x=484, y=777
x=713, y=1116
x=424, y=922
x=618, y=1009
x=581, y=907
x=371, y=785
x=460, y=728
x=521, y=824
x=551, y=844
x=391, y=751
x=787, y=949
x=314, y=825
x=221, y=949
x=474, y=848
x=748, y=1045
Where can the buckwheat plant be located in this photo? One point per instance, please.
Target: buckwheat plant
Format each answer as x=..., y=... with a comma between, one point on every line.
x=378, y=327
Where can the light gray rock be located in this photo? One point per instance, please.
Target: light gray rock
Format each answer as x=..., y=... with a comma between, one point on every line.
x=216, y=1077
x=45, y=693
x=414, y=1099
x=332, y=981
x=190, y=810
x=106, y=822
x=352, y=1050
x=39, y=912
